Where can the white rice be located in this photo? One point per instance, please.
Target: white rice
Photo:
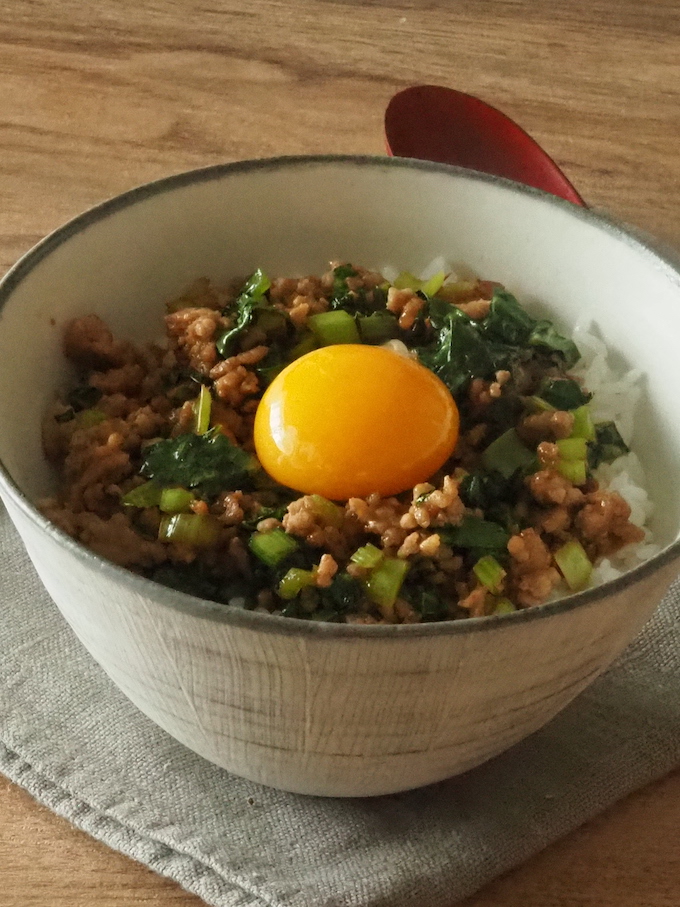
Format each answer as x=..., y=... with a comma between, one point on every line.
x=615, y=396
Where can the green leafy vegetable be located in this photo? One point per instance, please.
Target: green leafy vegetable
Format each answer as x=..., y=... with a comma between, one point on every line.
x=460, y=348
x=563, y=393
x=607, y=446
x=507, y=454
x=507, y=322
x=250, y=299
x=256, y=286
x=483, y=489
x=459, y=352
x=475, y=532
x=84, y=396
x=208, y=463
x=354, y=301
x=492, y=493
x=226, y=342
x=197, y=579
x=431, y=605
x=546, y=337
x=343, y=595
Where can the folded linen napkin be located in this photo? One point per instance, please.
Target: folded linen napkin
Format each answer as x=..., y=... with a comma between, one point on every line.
x=78, y=746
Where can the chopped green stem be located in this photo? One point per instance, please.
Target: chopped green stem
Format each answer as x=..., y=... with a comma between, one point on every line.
x=384, y=582
x=198, y=530
x=146, y=495
x=377, y=327
x=433, y=284
x=503, y=606
x=369, y=556
x=272, y=547
x=407, y=281
x=490, y=573
x=294, y=582
x=202, y=407
x=330, y=512
x=574, y=470
x=538, y=404
x=175, y=500
x=574, y=565
x=573, y=448
x=507, y=454
x=333, y=327
x=583, y=424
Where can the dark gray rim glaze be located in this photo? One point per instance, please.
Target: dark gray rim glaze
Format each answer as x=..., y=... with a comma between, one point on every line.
x=663, y=258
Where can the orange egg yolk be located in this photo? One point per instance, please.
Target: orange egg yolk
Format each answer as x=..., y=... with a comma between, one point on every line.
x=350, y=420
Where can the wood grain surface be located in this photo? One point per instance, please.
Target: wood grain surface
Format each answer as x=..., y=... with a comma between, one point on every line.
x=98, y=97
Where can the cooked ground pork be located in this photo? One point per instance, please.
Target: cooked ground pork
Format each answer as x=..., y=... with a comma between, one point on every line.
x=468, y=542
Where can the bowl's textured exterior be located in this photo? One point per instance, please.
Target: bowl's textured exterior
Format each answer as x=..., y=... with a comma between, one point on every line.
x=330, y=709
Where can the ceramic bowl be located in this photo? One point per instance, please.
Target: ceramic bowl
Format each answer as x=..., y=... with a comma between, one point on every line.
x=335, y=709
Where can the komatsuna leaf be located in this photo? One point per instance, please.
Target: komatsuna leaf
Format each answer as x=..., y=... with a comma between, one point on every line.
x=459, y=353
x=251, y=298
x=208, y=463
x=507, y=322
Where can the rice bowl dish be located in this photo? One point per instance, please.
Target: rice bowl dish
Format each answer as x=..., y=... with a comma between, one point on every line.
x=322, y=706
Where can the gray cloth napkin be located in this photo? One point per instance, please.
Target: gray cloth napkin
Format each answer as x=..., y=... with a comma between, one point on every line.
x=78, y=746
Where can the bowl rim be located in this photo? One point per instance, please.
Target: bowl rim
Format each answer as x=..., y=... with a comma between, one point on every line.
x=664, y=257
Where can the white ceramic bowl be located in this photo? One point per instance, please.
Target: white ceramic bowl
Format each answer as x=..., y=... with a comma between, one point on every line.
x=334, y=709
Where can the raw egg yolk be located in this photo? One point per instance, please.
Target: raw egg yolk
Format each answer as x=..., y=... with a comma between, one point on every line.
x=350, y=420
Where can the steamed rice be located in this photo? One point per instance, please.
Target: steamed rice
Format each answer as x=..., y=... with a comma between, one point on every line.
x=615, y=398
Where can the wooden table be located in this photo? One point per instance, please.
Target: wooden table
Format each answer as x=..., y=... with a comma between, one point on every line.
x=98, y=97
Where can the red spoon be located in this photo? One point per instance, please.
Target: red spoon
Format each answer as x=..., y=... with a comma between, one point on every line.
x=434, y=123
